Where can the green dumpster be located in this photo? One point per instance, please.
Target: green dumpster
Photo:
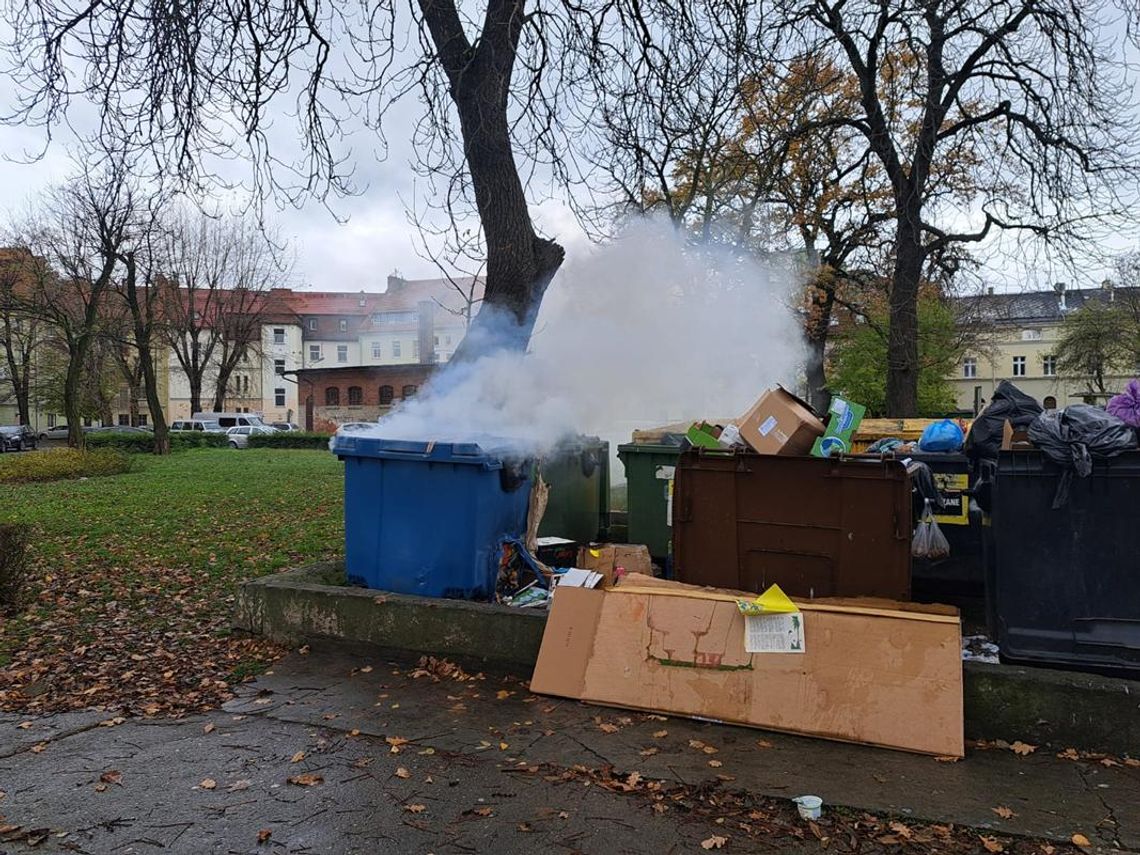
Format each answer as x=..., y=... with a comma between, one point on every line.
x=578, y=474
x=649, y=477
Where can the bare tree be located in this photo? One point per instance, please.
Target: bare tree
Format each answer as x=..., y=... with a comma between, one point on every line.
x=216, y=273
x=1028, y=85
x=21, y=334
x=73, y=241
x=189, y=81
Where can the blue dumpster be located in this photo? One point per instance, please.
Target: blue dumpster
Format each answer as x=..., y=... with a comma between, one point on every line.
x=428, y=518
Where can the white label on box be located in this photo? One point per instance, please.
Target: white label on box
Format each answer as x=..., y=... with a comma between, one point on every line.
x=767, y=425
x=665, y=473
x=775, y=633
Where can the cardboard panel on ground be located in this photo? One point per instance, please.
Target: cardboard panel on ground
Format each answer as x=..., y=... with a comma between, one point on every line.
x=876, y=672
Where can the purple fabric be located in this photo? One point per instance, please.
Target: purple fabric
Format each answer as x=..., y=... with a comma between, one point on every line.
x=1126, y=405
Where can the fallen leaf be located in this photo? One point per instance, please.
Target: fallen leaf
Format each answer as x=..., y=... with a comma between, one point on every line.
x=100, y=788
x=503, y=694
x=208, y=783
x=763, y=743
x=726, y=777
x=1022, y=749
x=946, y=758
x=238, y=786
x=648, y=752
x=401, y=772
x=395, y=742
x=714, y=842
x=659, y=807
x=1108, y=761
x=264, y=835
x=1131, y=761
x=8, y=829
x=429, y=780
x=696, y=743
x=24, y=725
x=661, y=734
x=304, y=650
x=655, y=717
x=503, y=746
x=209, y=728
x=38, y=747
x=483, y=811
x=362, y=762
x=308, y=779
x=524, y=827
x=1003, y=812
x=606, y=727
x=1070, y=754
x=415, y=808
x=112, y=776
x=563, y=814
x=708, y=749
x=354, y=732
x=367, y=669
x=631, y=781
x=1080, y=840
x=427, y=752
x=901, y=830
x=298, y=757
x=716, y=764
x=992, y=844
x=1048, y=850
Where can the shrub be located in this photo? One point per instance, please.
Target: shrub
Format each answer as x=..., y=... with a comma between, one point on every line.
x=143, y=443
x=14, y=538
x=60, y=463
x=290, y=439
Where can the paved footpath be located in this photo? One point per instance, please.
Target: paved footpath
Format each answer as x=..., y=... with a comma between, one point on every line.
x=385, y=760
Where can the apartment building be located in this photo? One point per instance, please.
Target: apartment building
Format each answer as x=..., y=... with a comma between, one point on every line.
x=1019, y=343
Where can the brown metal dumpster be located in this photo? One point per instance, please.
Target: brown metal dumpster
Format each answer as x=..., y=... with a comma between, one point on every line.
x=816, y=527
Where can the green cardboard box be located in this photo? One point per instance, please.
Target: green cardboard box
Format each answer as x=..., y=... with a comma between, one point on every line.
x=845, y=418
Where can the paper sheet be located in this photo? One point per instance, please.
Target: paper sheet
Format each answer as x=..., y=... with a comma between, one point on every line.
x=774, y=633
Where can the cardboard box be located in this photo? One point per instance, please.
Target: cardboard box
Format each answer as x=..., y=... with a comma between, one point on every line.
x=780, y=423
x=871, y=671
x=606, y=558
x=844, y=420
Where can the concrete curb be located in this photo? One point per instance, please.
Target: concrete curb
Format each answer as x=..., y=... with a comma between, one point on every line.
x=1036, y=705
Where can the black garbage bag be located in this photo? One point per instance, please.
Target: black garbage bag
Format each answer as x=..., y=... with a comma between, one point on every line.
x=983, y=442
x=1074, y=436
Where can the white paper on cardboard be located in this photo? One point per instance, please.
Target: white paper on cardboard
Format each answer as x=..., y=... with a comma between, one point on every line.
x=774, y=633
x=767, y=425
x=576, y=577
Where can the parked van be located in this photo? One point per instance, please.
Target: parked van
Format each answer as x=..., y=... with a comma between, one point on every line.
x=201, y=425
x=229, y=420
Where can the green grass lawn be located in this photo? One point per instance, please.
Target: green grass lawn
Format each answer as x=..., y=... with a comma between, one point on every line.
x=135, y=574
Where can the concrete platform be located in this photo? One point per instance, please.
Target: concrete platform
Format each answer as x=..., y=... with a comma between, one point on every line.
x=1041, y=706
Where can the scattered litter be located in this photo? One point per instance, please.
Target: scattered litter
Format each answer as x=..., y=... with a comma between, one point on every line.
x=978, y=648
x=810, y=807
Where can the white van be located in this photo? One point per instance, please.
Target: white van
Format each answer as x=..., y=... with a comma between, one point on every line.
x=229, y=420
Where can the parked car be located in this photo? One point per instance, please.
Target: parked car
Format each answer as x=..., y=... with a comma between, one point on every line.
x=239, y=436
x=55, y=432
x=17, y=438
x=286, y=426
x=184, y=425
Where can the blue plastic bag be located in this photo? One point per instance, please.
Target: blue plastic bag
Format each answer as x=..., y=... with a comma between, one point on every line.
x=944, y=436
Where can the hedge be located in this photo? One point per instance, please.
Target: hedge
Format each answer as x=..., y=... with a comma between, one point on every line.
x=143, y=443
x=290, y=439
x=59, y=463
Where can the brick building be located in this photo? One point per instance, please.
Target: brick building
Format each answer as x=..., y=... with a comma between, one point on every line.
x=358, y=393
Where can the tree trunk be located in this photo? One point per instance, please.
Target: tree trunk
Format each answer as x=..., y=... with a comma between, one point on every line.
x=153, y=402
x=195, y=393
x=220, y=389
x=77, y=353
x=819, y=396
x=23, y=385
x=902, y=337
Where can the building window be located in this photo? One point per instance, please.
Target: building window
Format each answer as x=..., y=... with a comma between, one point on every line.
x=142, y=419
x=355, y=396
x=1019, y=366
x=279, y=335
x=415, y=348
x=387, y=393
x=394, y=318
x=437, y=341
x=279, y=397
x=314, y=353
x=278, y=366
x=87, y=422
x=342, y=353
x=51, y=420
x=396, y=348
x=125, y=419
x=343, y=325
x=409, y=391
x=377, y=350
x=1049, y=365
x=312, y=324
x=970, y=367
x=332, y=396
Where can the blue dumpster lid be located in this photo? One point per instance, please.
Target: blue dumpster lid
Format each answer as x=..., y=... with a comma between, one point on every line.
x=488, y=452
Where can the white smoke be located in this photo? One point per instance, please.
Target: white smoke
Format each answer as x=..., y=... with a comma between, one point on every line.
x=641, y=332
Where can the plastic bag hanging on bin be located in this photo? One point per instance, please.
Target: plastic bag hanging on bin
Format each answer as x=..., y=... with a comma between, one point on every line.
x=929, y=542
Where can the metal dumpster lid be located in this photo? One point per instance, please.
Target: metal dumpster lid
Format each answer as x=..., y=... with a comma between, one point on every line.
x=488, y=450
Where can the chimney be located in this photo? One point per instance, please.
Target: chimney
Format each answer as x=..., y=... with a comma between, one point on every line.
x=363, y=301
x=990, y=290
x=395, y=282
x=1109, y=288
x=425, y=309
